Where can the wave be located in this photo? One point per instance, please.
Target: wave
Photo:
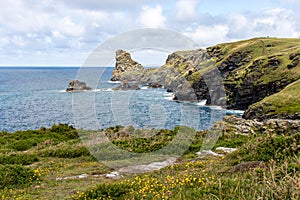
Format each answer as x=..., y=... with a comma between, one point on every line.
x=216, y=107
x=169, y=96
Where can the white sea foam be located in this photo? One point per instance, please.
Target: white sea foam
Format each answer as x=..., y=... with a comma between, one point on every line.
x=114, y=82
x=202, y=103
x=106, y=89
x=216, y=107
x=169, y=96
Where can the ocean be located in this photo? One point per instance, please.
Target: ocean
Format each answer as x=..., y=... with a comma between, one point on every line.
x=34, y=97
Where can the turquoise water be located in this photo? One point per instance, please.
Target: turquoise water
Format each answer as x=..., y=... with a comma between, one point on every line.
x=35, y=97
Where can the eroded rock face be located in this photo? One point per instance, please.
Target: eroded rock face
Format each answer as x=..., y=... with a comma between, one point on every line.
x=177, y=75
x=125, y=65
x=77, y=86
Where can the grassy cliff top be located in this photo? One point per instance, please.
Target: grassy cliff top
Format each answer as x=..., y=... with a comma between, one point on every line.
x=265, y=59
x=263, y=46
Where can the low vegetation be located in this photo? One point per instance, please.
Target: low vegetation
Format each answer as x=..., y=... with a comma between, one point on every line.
x=265, y=166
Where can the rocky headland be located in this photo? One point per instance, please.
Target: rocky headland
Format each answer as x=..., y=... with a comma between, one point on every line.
x=248, y=71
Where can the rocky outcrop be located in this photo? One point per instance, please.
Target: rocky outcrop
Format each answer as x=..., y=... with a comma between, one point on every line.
x=125, y=65
x=77, y=86
x=237, y=125
x=295, y=60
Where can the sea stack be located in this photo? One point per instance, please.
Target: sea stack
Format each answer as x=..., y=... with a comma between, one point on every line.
x=124, y=65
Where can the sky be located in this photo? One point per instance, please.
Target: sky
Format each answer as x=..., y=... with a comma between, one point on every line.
x=65, y=32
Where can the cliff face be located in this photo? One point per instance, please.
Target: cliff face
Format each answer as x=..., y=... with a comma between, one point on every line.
x=284, y=104
x=124, y=65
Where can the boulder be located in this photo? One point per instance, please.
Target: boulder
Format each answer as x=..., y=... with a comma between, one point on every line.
x=77, y=86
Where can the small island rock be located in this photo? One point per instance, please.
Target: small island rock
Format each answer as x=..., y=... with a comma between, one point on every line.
x=77, y=86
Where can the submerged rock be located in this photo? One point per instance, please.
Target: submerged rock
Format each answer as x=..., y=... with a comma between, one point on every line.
x=77, y=86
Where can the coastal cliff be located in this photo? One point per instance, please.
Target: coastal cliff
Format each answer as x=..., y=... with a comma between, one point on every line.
x=256, y=68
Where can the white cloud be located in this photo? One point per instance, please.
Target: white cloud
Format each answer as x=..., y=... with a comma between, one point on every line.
x=68, y=27
x=208, y=35
x=275, y=22
x=186, y=9
x=18, y=41
x=239, y=25
x=151, y=17
x=55, y=27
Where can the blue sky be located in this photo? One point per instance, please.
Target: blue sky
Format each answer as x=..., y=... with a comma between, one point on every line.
x=65, y=32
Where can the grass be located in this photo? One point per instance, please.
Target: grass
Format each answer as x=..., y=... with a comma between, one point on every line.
x=33, y=173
